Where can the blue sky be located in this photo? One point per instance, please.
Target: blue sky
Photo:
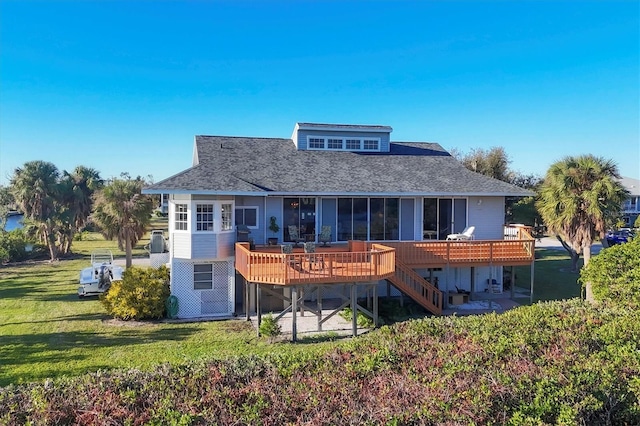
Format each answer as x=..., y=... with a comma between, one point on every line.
x=124, y=86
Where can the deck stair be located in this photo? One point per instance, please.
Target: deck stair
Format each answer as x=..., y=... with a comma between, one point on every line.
x=413, y=285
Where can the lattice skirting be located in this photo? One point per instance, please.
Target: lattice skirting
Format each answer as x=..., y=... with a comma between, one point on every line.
x=216, y=301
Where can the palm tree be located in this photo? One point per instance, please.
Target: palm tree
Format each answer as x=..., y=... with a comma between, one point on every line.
x=77, y=189
x=35, y=189
x=121, y=211
x=579, y=198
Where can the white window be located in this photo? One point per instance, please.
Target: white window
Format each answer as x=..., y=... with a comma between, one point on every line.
x=353, y=144
x=334, y=144
x=370, y=144
x=316, y=143
x=203, y=276
x=247, y=216
x=181, y=218
x=204, y=217
x=226, y=217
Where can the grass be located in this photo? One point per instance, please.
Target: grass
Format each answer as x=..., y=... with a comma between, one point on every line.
x=46, y=331
x=553, y=279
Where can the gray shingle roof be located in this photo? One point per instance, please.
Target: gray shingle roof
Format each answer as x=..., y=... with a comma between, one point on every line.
x=356, y=127
x=244, y=165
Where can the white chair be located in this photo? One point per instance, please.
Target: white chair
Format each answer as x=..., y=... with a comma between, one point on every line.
x=467, y=234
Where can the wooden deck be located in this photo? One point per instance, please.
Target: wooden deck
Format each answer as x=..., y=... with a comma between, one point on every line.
x=367, y=261
x=329, y=265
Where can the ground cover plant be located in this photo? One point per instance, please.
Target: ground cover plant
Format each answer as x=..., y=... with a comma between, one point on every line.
x=560, y=362
x=550, y=363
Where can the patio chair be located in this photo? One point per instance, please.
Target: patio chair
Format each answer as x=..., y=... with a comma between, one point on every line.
x=292, y=261
x=324, y=236
x=242, y=234
x=312, y=257
x=467, y=234
x=294, y=235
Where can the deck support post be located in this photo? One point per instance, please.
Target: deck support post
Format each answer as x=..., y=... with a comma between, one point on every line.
x=247, y=299
x=354, y=309
x=294, y=309
x=446, y=287
x=319, y=308
x=531, y=295
x=513, y=282
x=258, y=306
x=375, y=305
x=473, y=280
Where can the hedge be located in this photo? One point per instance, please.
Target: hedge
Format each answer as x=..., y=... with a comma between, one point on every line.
x=551, y=363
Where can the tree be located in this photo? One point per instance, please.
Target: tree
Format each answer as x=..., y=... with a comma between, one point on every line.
x=523, y=209
x=579, y=198
x=77, y=189
x=493, y=163
x=35, y=189
x=121, y=211
x=7, y=202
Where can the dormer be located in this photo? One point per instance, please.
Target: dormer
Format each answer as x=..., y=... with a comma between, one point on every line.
x=341, y=137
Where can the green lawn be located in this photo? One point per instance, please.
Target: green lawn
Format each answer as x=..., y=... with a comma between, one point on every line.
x=553, y=279
x=46, y=331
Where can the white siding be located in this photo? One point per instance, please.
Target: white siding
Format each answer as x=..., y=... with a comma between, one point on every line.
x=181, y=245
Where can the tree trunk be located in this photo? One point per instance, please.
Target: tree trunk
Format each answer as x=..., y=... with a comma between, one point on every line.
x=127, y=251
x=51, y=244
x=575, y=256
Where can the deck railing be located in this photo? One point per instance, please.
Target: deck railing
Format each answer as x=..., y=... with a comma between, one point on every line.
x=416, y=287
x=376, y=263
x=464, y=253
x=367, y=261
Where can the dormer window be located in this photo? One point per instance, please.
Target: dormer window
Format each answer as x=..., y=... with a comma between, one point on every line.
x=354, y=144
x=316, y=143
x=371, y=144
x=334, y=144
x=343, y=144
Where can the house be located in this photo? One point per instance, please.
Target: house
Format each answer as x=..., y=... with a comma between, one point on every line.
x=631, y=206
x=400, y=199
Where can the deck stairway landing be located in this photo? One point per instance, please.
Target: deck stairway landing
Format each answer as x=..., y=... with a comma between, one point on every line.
x=413, y=285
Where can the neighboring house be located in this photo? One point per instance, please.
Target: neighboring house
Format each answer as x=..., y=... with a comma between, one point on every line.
x=398, y=197
x=631, y=206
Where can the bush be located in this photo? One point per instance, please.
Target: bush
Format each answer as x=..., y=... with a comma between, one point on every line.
x=551, y=363
x=140, y=295
x=13, y=246
x=614, y=274
x=269, y=327
x=361, y=319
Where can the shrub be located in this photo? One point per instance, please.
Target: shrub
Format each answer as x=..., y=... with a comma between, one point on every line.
x=361, y=319
x=551, y=363
x=13, y=246
x=269, y=327
x=140, y=295
x=615, y=274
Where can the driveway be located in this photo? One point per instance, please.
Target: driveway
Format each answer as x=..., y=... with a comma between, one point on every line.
x=553, y=244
